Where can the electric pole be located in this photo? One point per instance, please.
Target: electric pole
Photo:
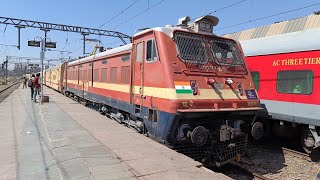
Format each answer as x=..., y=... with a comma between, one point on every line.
x=6, y=71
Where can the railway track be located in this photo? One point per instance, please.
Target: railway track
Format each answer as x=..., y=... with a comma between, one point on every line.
x=6, y=90
x=259, y=177
x=295, y=153
x=255, y=175
x=236, y=171
x=305, y=156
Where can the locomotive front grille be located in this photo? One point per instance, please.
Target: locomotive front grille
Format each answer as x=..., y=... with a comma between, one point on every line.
x=208, y=54
x=218, y=153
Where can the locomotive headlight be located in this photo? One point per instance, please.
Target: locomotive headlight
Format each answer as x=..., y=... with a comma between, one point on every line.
x=211, y=81
x=229, y=81
x=194, y=87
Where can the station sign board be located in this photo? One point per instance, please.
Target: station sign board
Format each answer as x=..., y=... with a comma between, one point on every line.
x=51, y=44
x=34, y=43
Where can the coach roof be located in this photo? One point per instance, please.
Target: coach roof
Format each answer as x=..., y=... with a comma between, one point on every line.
x=284, y=43
x=105, y=53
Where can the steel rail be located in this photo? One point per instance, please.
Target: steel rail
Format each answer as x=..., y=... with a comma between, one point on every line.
x=296, y=153
x=9, y=86
x=255, y=175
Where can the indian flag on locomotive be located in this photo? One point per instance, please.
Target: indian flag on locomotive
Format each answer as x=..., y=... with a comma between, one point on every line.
x=183, y=87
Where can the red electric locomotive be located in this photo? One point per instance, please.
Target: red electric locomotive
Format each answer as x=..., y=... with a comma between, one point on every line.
x=286, y=72
x=182, y=86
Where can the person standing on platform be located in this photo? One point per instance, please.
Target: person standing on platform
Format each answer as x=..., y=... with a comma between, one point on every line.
x=30, y=84
x=25, y=80
x=36, y=87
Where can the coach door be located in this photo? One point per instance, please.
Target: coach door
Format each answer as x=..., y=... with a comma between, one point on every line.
x=137, y=84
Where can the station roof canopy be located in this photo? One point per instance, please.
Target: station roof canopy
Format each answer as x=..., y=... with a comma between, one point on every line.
x=277, y=28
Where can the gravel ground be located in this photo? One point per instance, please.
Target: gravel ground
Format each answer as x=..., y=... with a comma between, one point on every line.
x=274, y=164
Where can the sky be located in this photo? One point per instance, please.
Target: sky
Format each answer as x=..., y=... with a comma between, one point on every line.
x=142, y=14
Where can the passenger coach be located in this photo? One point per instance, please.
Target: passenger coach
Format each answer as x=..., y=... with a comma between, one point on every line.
x=286, y=72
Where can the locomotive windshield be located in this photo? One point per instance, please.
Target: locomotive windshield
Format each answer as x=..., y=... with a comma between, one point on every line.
x=209, y=54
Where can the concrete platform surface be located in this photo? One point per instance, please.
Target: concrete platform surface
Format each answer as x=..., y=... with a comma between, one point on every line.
x=65, y=140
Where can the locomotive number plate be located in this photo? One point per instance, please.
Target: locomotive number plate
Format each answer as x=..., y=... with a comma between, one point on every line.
x=251, y=94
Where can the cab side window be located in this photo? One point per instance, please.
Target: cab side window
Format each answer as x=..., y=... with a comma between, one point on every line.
x=139, y=53
x=151, y=51
x=256, y=79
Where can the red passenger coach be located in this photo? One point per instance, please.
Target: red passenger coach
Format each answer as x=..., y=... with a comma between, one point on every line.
x=183, y=86
x=286, y=71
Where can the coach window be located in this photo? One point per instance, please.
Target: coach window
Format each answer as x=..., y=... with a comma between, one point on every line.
x=125, y=58
x=104, y=61
x=80, y=75
x=90, y=75
x=151, y=51
x=96, y=75
x=77, y=76
x=256, y=79
x=139, y=53
x=84, y=75
x=295, y=82
x=104, y=75
x=113, y=74
x=125, y=74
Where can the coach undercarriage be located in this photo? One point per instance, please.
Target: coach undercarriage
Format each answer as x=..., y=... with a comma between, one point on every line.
x=308, y=135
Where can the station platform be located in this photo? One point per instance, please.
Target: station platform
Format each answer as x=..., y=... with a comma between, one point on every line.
x=65, y=140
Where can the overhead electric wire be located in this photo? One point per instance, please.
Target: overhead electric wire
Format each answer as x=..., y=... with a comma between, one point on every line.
x=266, y=17
x=74, y=51
x=251, y=9
x=227, y=6
x=119, y=13
x=139, y=14
x=67, y=40
x=3, y=52
x=71, y=42
x=7, y=45
x=5, y=41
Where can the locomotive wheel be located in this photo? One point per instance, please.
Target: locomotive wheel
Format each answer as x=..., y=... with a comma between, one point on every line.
x=307, y=141
x=257, y=131
x=199, y=136
x=75, y=98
